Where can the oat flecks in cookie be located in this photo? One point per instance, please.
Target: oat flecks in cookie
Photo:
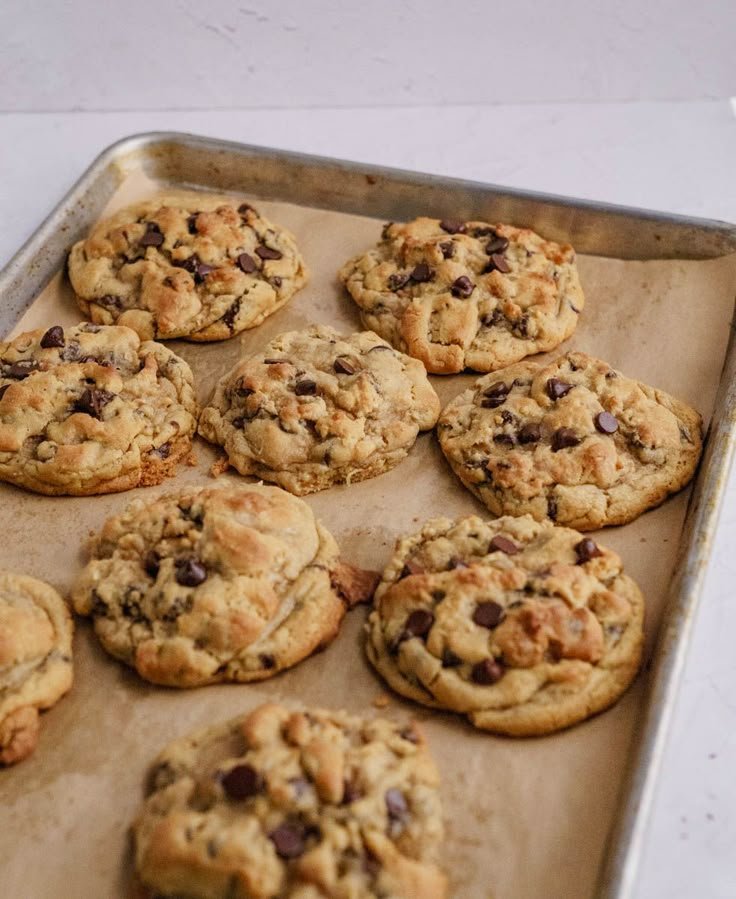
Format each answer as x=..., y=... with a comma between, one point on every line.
x=35, y=660
x=522, y=642
x=463, y=295
x=92, y=409
x=573, y=441
x=315, y=408
x=226, y=583
x=286, y=803
x=192, y=265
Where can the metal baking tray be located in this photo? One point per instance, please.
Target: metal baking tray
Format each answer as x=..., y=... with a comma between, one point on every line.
x=594, y=228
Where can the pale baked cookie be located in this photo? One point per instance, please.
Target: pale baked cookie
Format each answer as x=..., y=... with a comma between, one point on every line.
x=466, y=294
x=293, y=804
x=315, y=408
x=524, y=627
x=573, y=441
x=198, y=266
x=35, y=660
x=92, y=409
x=217, y=584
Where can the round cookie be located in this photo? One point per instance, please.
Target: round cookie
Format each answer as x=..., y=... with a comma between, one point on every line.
x=192, y=265
x=573, y=441
x=35, y=660
x=524, y=627
x=91, y=409
x=217, y=584
x=466, y=294
x=315, y=408
x=293, y=804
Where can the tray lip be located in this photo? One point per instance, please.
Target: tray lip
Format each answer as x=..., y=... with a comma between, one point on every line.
x=620, y=863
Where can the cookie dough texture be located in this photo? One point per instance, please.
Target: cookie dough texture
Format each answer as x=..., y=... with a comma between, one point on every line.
x=92, y=409
x=35, y=660
x=315, y=408
x=524, y=627
x=218, y=584
x=463, y=295
x=301, y=804
x=197, y=266
x=573, y=441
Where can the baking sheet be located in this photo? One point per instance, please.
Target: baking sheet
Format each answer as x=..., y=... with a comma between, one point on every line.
x=524, y=817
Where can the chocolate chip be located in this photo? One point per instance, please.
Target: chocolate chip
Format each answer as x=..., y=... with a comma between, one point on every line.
x=274, y=361
x=495, y=395
x=552, y=508
x=53, y=337
x=586, y=550
x=411, y=567
x=422, y=273
x=462, y=287
x=556, y=388
x=502, y=544
x=21, y=369
x=190, y=572
x=268, y=252
x=288, y=840
x=202, y=270
x=521, y=326
x=488, y=614
x=379, y=346
x=606, y=423
x=247, y=264
x=530, y=433
x=276, y=281
x=163, y=451
x=192, y=223
x=492, y=318
x=396, y=804
x=243, y=390
x=498, y=262
x=419, y=623
x=305, y=387
x=497, y=244
x=351, y=793
x=244, y=208
x=231, y=313
x=93, y=401
x=110, y=302
x=450, y=659
x=153, y=236
x=151, y=563
x=3, y=389
x=504, y=439
x=452, y=226
x=267, y=661
x=487, y=672
x=242, y=782
x=344, y=366
x=455, y=562
x=385, y=230
x=398, y=280
x=563, y=438
x=190, y=264
x=448, y=249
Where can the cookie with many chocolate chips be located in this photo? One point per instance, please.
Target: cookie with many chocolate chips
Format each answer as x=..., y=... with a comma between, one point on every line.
x=35, y=660
x=573, y=441
x=192, y=265
x=283, y=803
x=314, y=408
x=524, y=627
x=217, y=584
x=463, y=295
x=92, y=409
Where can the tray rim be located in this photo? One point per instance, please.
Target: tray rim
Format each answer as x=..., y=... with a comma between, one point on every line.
x=622, y=857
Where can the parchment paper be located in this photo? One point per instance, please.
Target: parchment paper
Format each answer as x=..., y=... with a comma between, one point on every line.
x=525, y=818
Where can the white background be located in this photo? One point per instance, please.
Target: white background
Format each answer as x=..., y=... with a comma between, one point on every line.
x=621, y=101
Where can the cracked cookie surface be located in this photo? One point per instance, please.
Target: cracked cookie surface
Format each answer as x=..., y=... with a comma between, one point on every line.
x=315, y=408
x=197, y=266
x=573, y=441
x=463, y=295
x=35, y=660
x=524, y=627
x=92, y=409
x=217, y=584
x=300, y=804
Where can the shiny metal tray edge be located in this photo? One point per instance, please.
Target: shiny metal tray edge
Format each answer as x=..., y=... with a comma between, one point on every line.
x=598, y=228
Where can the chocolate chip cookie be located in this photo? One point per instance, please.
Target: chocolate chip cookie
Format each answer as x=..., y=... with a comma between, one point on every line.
x=466, y=294
x=216, y=584
x=35, y=660
x=197, y=266
x=573, y=441
x=315, y=408
x=524, y=627
x=92, y=409
x=293, y=804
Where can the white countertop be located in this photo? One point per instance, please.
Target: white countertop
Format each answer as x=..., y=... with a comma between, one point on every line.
x=646, y=121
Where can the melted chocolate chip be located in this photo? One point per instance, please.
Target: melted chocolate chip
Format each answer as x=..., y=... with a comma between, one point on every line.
x=110, y=302
x=422, y=273
x=151, y=563
x=530, y=433
x=552, y=508
x=268, y=252
x=245, y=208
x=419, y=623
x=288, y=840
x=54, y=337
x=452, y=226
x=488, y=614
x=411, y=567
x=190, y=572
x=351, y=793
x=498, y=262
x=497, y=244
x=344, y=366
x=586, y=550
x=190, y=264
x=267, y=661
x=398, y=280
x=247, y=264
x=396, y=805
x=503, y=545
x=492, y=318
x=21, y=369
x=153, y=236
x=495, y=395
x=564, y=438
x=93, y=401
x=462, y=287
x=231, y=313
x=450, y=659
x=192, y=223
x=556, y=388
x=305, y=387
x=487, y=672
x=163, y=451
x=242, y=782
x=504, y=439
x=448, y=249
x=3, y=389
x=606, y=423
